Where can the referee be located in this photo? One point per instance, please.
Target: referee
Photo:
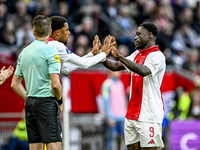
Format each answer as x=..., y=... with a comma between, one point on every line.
x=39, y=65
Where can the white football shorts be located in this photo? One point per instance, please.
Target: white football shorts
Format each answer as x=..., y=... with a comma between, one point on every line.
x=148, y=134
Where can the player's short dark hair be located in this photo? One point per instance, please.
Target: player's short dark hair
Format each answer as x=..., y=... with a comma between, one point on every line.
x=150, y=27
x=57, y=22
x=41, y=25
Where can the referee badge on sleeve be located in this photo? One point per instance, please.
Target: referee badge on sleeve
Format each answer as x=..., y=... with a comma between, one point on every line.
x=57, y=58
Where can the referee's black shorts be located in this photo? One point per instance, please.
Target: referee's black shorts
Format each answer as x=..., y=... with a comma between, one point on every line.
x=43, y=120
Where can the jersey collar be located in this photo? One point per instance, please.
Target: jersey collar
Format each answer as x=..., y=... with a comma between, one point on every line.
x=149, y=49
x=51, y=39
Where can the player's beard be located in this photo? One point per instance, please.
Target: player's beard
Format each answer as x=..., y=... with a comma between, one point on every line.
x=139, y=47
x=65, y=43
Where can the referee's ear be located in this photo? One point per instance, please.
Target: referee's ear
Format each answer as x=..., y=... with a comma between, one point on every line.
x=50, y=32
x=34, y=32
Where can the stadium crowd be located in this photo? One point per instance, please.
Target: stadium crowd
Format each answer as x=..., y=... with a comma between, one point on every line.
x=178, y=22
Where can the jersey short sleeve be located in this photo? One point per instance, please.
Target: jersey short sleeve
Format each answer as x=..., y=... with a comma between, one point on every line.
x=155, y=61
x=18, y=69
x=54, y=62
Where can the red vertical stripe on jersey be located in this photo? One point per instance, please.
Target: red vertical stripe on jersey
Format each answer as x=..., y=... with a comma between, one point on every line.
x=135, y=103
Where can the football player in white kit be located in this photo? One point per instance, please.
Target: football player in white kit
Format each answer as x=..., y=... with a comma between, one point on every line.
x=71, y=61
x=143, y=130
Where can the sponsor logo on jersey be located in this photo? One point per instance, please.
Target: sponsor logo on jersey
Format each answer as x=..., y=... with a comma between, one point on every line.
x=68, y=51
x=151, y=142
x=57, y=58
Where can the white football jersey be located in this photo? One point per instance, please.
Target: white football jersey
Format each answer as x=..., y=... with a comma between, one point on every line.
x=72, y=61
x=146, y=102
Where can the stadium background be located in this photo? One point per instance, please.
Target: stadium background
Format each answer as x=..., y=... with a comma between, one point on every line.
x=179, y=39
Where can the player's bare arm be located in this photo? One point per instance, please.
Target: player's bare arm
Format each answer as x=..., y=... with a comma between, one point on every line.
x=18, y=87
x=113, y=65
x=137, y=68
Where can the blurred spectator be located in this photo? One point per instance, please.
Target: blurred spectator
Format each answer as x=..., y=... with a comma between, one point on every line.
x=115, y=104
x=178, y=7
x=192, y=63
x=19, y=139
x=196, y=25
x=131, y=7
x=128, y=27
x=26, y=29
x=63, y=10
x=165, y=36
x=167, y=8
x=86, y=28
x=3, y=15
x=8, y=35
x=192, y=4
x=195, y=99
x=168, y=55
x=21, y=13
x=81, y=45
x=182, y=103
x=82, y=40
x=149, y=10
x=89, y=8
x=109, y=12
x=179, y=59
x=161, y=19
x=123, y=50
x=139, y=5
x=111, y=9
x=185, y=37
x=198, y=70
x=71, y=43
x=186, y=16
x=80, y=51
x=25, y=42
x=44, y=8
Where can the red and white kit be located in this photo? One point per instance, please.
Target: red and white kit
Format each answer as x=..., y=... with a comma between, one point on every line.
x=146, y=104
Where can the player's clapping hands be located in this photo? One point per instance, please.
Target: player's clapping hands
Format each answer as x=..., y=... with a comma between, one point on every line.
x=107, y=45
x=96, y=45
x=114, y=50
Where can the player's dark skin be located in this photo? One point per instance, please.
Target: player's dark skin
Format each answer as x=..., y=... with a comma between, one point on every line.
x=143, y=40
